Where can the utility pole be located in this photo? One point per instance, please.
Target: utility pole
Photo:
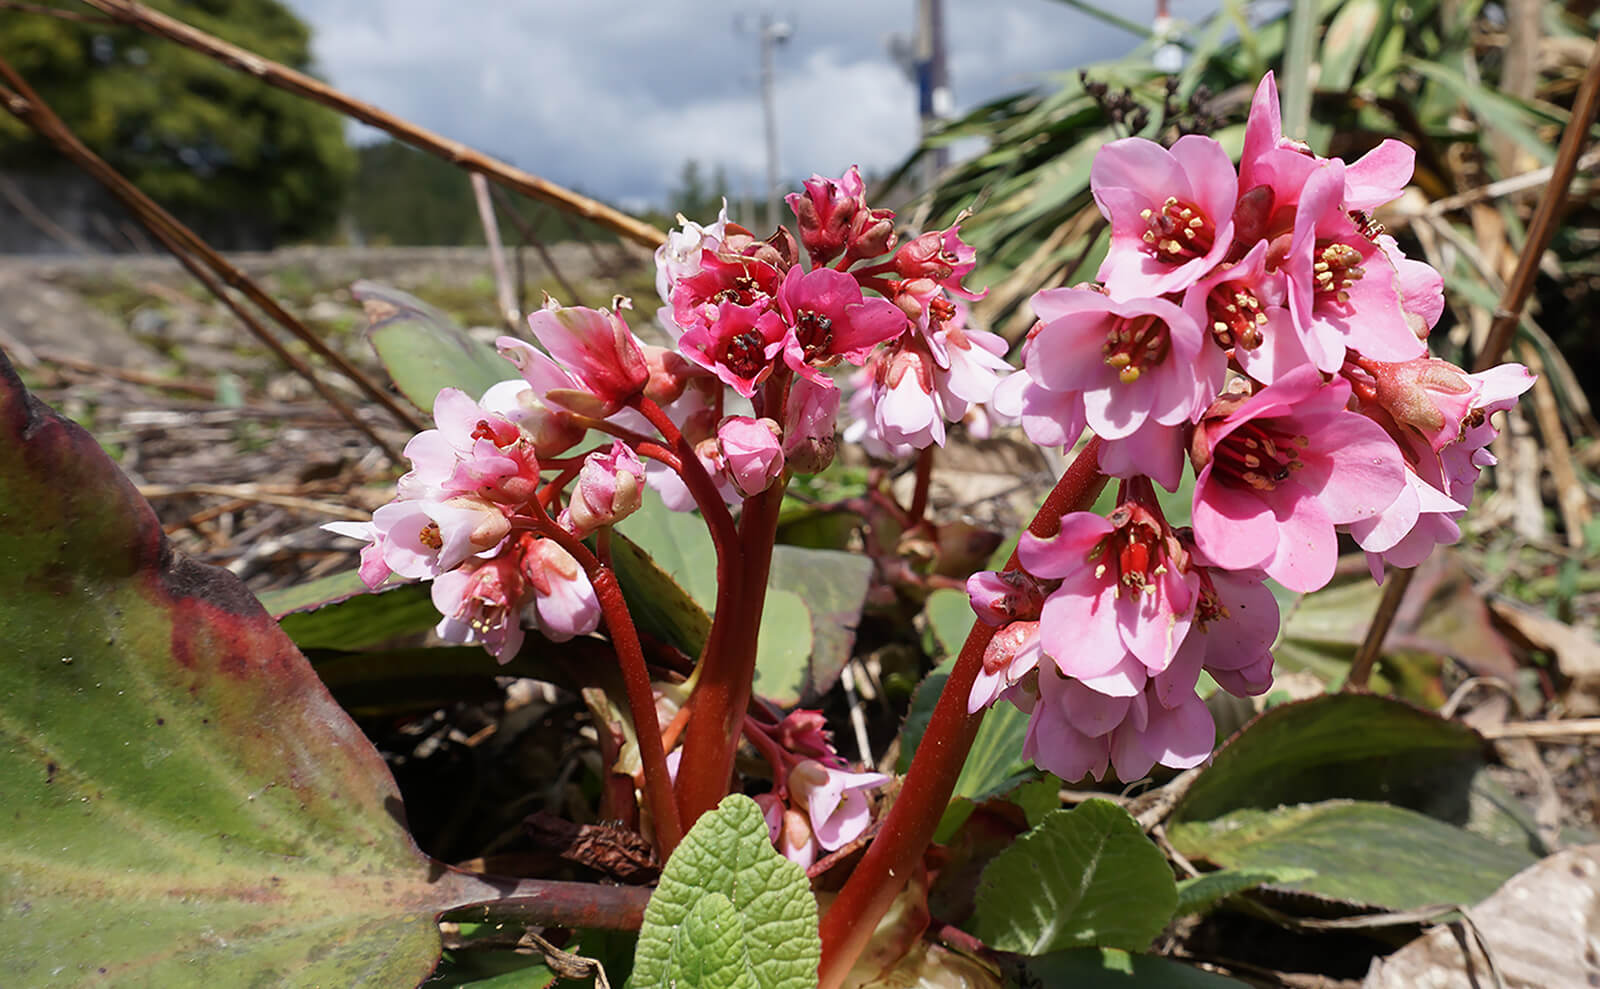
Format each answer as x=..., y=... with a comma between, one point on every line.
x=935, y=101
x=773, y=34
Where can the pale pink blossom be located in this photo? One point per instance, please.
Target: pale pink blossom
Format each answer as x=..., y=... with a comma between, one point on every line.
x=752, y=452
x=835, y=800
x=481, y=602
x=809, y=417
x=610, y=488
x=564, y=601
x=1279, y=470
x=1010, y=662
x=1123, y=591
x=422, y=538
x=372, y=569
x=1244, y=307
x=1171, y=212
x=679, y=257
x=907, y=410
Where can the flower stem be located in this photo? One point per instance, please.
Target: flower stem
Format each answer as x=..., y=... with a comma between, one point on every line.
x=636, y=685
x=919, y=494
x=909, y=826
x=722, y=690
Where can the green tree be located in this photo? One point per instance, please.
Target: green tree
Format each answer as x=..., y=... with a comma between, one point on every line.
x=202, y=139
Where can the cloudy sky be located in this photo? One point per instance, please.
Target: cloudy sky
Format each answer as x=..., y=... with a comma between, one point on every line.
x=614, y=98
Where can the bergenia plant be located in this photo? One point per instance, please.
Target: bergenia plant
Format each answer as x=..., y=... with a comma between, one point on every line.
x=1251, y=324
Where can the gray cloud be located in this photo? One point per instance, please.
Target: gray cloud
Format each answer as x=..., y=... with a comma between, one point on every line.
x=613, y=98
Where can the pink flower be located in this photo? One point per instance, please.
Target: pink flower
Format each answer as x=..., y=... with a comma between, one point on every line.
x=482, y=603
x=1135, y=366
x=372, y=570
x=1009, y=662
x=1171, y=212
x=1075, y=731
x=969, y=365
x=752, y=451
x=826, y=213
x=809, y=416
x=1245, y=308
x=1235, y=624
x=610, y=488
x=1049, y=418
x=1432, y=397
x=835, y=800
x=680, y=256
x=738, y=346
x=743, y=281
x=830, y=321
x=474, y=451
x=1005, y=597
x=1279, y=470
x=805, y=733
x=592, y=348
x=425, y=537
x=551, y=431
x=1123, y=591
x=906, y=409
x=564, y=600
x=939, y=256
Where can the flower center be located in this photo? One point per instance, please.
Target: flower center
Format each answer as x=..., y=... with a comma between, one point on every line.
x=815, y=333
x=1338, y=266
x=744, y=355
x=429, y=536
x=744, y=291
x=1134, y=344
x=1256, y=456
x=1134, y=552
x=1236, y=316
x=1178, y=231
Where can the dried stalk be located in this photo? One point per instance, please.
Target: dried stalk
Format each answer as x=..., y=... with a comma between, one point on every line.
x=1506, y=317
x=283, y=77
x=186, y=245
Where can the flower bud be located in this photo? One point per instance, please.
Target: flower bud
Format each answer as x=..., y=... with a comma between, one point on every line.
x=808, y=426
x=610, y=488
x=592, y=349
x=752, y=452
x=1005, y=597
x=826, y=212
x=670, y=372
x=564, y=600
x=1430, y=395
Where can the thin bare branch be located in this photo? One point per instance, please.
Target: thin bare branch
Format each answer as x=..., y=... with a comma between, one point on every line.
x=283, y=77
x=24, y=104
x=1506, y=318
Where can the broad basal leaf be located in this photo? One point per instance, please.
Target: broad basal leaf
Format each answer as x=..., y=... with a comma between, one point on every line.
x=184, y=802
x=1084, y=877
x=1368, y=854
x=730, y=911
x=423, y=350
x=1106, y=968
x=994, y=764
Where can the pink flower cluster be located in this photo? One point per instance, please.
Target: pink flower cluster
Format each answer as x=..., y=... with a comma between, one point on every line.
x=749, y=312
x=817, y=804
x=1260, y=324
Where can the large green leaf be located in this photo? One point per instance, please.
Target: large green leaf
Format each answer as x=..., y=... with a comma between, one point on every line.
x=1345, y=745
x=730, y=911
x=667, y=566
x=317, y=616
x=185, y=804
x=995, y=763
x=1108, y=968
x=1364, y=853
x=1084, y=877
x=423, y=350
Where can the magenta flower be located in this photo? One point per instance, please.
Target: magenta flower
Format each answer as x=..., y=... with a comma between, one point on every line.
x=1279, y=470
x=738, y=346
x=1245, y=308
x=1171, y=212
x=1123, y=591
x=752, y=452
x=940, y=257
x=594, y=364
x=830, y=321
x=743, y=281
x=680, y=256
x=826, y=214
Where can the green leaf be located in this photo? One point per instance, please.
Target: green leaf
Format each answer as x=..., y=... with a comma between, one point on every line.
x=667, y=566
x=361, y=620
x=729, y=910
x=185, y=803
x=312, y=594
x=1345, y=42
x=1363, y=853
x=423, y=350
x=950, y=618
x=1359, y=746
x=995, y=763
x=1108, y=968
x=1084, y=877
x=1200, y=893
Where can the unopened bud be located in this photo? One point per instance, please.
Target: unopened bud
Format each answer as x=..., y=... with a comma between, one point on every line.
x=752, y=452
x=610, y=488
x=1004, y=597
x=809, y=416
